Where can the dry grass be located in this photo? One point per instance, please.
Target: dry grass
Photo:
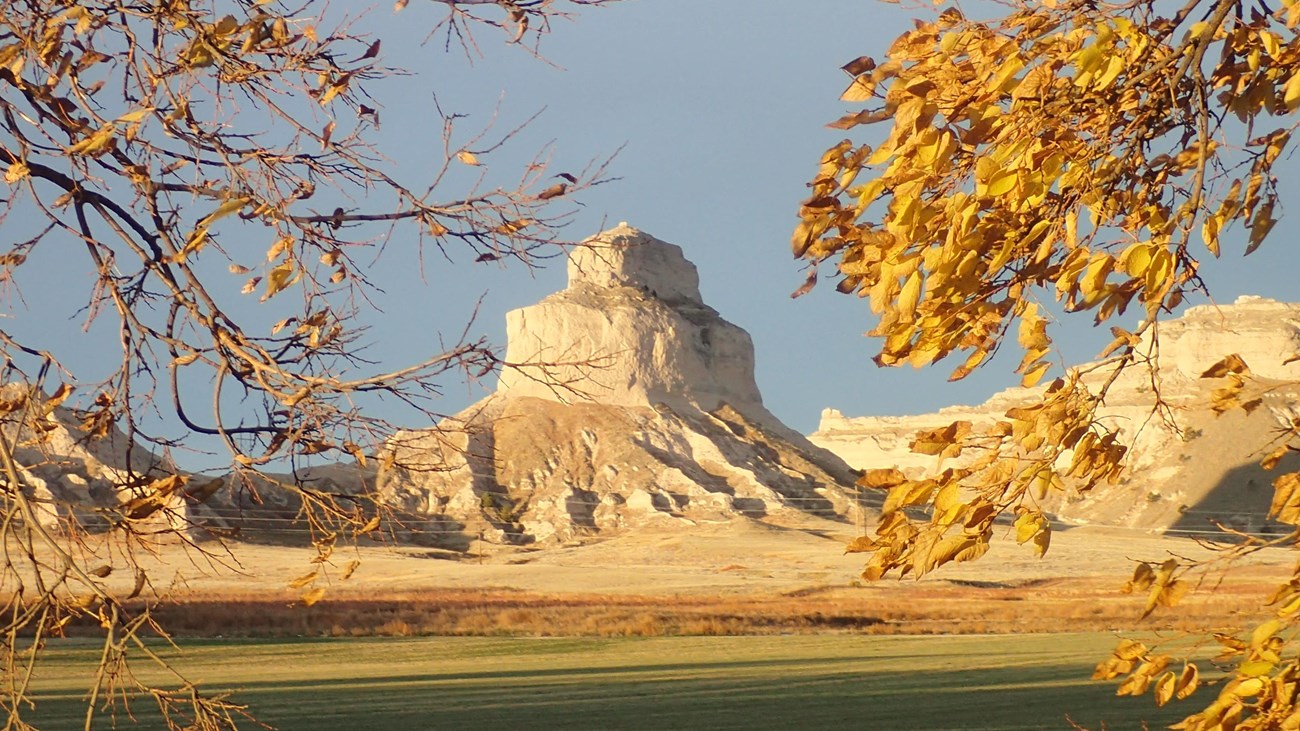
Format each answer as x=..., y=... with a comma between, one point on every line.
x=931, y=607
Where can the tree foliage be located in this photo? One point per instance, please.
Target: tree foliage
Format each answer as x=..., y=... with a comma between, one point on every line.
x=215, y=165
x=1073, y=155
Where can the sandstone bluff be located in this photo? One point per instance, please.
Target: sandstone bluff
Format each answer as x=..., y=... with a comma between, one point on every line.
x=625, y=401
x=1188, y=466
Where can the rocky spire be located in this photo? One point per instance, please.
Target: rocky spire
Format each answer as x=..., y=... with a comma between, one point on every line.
x=627, y=402
x=630, y=329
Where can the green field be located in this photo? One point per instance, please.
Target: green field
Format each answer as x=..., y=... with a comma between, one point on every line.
x=777, y=682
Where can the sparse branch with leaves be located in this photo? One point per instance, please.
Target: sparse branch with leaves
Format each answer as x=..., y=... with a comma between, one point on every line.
x=216, y=166
x=1075, y=156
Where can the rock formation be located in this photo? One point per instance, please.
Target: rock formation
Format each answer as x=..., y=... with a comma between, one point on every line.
x=73, y=478
x=625, y=401
x=1186, y=470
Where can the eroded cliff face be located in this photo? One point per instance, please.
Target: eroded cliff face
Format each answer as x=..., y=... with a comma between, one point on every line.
x=1188, y=466
x=74, y=479
x=630, y=330
x=626, y=402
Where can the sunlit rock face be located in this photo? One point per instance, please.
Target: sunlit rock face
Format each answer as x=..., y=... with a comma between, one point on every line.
x=630, y=330
x=1188, y=465
x=1264, y=332
x=626, y=402
x=78, y=480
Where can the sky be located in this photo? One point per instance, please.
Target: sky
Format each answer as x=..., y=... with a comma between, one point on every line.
x=717, y=111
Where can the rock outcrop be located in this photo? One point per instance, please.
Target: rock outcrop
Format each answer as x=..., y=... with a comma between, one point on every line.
x=625, y=401
x=630, y=330
x=74, y=479
x=1188, y=466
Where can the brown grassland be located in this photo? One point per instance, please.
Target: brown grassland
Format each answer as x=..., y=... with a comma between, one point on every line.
x=744, y=579
x=936, y=608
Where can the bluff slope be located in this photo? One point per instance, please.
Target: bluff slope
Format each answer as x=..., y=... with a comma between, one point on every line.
x=1188, y=469
x=625, y=401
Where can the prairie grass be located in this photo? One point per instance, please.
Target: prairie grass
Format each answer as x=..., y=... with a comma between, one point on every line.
x=938, y=607
x=764, y=682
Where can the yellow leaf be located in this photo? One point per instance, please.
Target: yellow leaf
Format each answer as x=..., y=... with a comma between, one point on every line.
x=1188, y=681
x=1270, y=43
x=199, y=55
x=334, y=89
x=1029, y=525
x=882, y=478
x=1162, y=265
x=136, y=115
x=860, y=90
x=958, y=548
x=862, y=544
x=97, y=143
x=17, y=171
x=282, y=245
x=1035, y=374
x=949, y=497
x=1143, y=578
x=1291, y=93
x=1165, y=687
x=1093, y=282
x=313, y=596
x=908, y=493
x=1032, y=334
x=370, y=526
x=1210, y=229
x=1264, y=632
x=1130, y=650
x=303, y=580
x=1260, y=227
x=1043, y=540
x=1134, y=685
x=909, y=296
x=350, y=569
x=279, y=278
x=1136, y=259
x=467, y=157
x=1114, y=66
x=1001, y=183
x=225, y=209
x=1254, y=669
x=1231, y=364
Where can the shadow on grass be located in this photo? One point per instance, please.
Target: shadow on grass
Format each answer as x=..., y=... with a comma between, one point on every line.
x=875, y=692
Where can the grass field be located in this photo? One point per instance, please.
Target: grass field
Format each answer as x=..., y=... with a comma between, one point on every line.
x=776, y=682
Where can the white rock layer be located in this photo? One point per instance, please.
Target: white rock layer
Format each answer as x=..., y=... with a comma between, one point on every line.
x=1176, y=469
x=630, y=330
x=626, y=402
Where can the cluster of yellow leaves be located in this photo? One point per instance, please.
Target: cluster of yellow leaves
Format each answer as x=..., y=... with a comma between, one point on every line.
x=1143, y=668
x=1073, y=151
x=1009, y=466
x=228, y=39
x=1163, y=585
x=1260, y=694
x=1263, y=687
x=1026, y=154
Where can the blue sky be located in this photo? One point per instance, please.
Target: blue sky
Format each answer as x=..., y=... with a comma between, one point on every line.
x=719, y=108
